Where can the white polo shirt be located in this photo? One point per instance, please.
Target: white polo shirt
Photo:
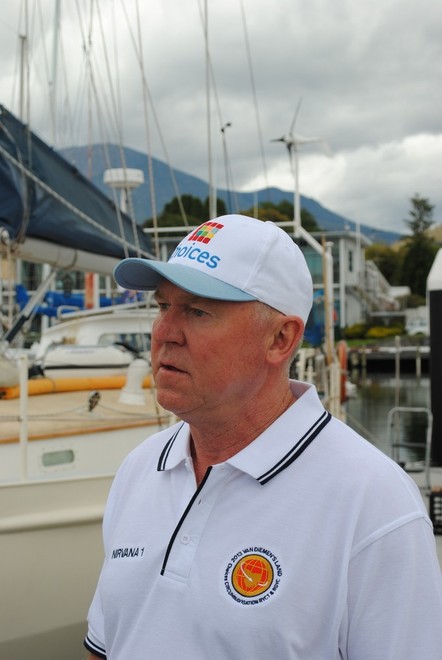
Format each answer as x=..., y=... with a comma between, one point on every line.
x=308, y=544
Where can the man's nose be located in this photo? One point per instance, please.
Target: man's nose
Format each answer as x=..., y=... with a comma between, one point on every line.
x=167, y=327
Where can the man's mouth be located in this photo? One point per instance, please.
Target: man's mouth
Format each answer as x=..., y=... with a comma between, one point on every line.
x=170, y=367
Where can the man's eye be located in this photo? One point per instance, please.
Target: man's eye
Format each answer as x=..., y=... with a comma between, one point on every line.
x=198, y=312
x=163, y=306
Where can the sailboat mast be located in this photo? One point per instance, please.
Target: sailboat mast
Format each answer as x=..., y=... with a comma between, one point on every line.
x=53, y=81
x=212, y=203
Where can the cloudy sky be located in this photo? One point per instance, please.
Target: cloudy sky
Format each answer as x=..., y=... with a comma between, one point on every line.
x=367, y=76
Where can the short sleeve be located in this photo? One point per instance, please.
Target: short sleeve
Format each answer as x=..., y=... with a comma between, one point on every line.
x=94, y=640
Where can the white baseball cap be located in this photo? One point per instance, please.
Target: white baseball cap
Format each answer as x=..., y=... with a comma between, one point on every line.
x=234, y=258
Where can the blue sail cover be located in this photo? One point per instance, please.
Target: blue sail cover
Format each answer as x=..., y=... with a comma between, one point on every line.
x=27, y=210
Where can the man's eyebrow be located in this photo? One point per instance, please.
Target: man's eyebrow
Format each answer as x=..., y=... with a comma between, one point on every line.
x=190, y=298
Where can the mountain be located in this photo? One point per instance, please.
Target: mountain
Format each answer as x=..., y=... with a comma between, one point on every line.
x=94, y=160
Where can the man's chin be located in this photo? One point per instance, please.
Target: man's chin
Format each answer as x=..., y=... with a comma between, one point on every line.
x=170, y=401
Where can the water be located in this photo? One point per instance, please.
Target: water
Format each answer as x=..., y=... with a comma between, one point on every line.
x=376, y=394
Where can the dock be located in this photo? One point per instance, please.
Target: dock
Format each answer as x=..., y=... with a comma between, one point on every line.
x=388, y=358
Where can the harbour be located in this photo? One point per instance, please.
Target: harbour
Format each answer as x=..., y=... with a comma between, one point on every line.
x=402, y=354
x=67, y=221
x=374, y=395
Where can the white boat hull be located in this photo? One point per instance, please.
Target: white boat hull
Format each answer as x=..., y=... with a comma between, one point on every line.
x=52, y=553
x=53, y=489
x=76, y=361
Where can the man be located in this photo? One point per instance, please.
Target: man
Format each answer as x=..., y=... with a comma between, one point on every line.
x=258, y=526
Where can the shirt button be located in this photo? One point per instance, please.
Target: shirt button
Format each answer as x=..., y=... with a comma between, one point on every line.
x=185, y=539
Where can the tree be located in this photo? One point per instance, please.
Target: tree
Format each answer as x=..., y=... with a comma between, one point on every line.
x=283, y=212
x=421, y=216
x=308, y=221
x=420, y=250
x=196, y=211
x=193, y=206
x=220, y=208
x=388, y=261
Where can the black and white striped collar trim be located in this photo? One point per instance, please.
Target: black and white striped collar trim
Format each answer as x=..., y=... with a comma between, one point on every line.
x=283, y=463
x=297, y=449
x=167, y=449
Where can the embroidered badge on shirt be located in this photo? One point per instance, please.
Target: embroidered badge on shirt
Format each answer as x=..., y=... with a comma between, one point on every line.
x=252, y=576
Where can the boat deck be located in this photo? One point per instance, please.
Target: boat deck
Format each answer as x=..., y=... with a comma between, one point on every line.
x=68, y=435
x=65, y=414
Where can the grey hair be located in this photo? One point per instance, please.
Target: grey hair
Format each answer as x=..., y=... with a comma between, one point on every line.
x=263, y=315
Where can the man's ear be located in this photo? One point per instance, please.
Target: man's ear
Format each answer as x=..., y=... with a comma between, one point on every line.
x=287, y=335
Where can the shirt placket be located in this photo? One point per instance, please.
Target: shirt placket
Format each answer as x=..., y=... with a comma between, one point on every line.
x=185, y=540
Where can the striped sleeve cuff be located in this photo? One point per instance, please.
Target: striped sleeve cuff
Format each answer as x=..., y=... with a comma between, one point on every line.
x=94, y=648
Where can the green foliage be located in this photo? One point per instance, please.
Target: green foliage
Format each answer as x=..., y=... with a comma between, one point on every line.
x=414, y=301
x=388, y=261
x=382, y=332
x=283, y=212
x=196, y=211
x=421, y=215
x=220, y=208
x=356, y=331
x=410, y=265
x=420, y=250
x=365, y=331
x=265, y=213
x=193, y=206
x=308, y=221
x=417, y=264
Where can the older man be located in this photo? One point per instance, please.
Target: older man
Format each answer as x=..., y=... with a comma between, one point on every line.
x=258, y=526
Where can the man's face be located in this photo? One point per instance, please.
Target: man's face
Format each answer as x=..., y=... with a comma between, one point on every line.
x=208, y=356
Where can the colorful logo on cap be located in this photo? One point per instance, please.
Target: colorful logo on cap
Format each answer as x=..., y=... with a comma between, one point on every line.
x=206, y=232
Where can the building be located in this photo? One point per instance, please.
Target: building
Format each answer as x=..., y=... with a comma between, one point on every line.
x=360, y=291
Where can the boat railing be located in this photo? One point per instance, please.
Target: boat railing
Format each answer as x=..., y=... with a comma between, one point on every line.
x=111, y=309
x=395, y=442
x=22, y=362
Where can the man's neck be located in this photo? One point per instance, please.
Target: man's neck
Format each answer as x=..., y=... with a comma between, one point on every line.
x=215, y=443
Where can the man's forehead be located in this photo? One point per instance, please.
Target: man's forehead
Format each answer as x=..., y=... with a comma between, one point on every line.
x=167, y=289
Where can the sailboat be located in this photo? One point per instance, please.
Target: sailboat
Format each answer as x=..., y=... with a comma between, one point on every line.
x=59, y=450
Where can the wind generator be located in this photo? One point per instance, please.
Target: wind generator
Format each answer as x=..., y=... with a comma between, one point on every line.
x=293, y=142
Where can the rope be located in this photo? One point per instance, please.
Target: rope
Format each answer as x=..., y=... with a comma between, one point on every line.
x=118, y=123
x=255, y=99
x=149, y=144
x=100, y=115
x=148, y=97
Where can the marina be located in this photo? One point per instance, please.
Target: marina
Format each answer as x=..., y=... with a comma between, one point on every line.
x=375, y=396
x=93, y=400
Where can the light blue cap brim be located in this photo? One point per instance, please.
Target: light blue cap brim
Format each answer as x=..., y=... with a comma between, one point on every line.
x=145, y=275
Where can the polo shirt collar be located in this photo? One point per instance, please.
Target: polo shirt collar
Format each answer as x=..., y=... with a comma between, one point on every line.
x=274, y=449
